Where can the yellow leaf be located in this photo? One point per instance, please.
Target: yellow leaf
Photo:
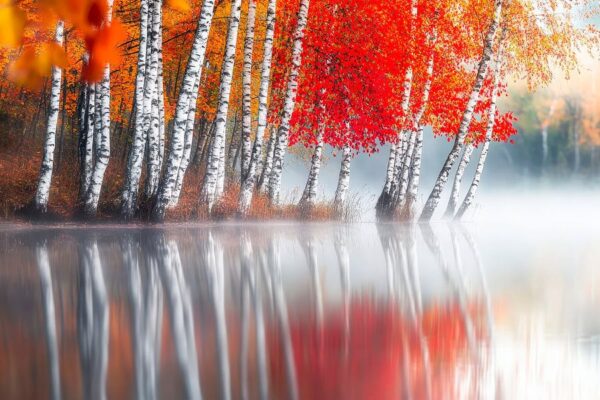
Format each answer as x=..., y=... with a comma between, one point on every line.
x=12, y=23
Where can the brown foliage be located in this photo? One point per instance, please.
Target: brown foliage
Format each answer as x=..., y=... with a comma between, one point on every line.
x=19, y=171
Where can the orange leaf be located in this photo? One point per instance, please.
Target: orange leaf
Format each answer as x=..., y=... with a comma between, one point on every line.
x=12, y=24
x=179, y=5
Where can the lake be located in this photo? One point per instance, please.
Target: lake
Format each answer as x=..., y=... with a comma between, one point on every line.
x=493, y=310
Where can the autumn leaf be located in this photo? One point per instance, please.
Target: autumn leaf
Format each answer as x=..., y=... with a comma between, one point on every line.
x=34, y=65
x=179, y=5
x=102, y=48
x=12, y=24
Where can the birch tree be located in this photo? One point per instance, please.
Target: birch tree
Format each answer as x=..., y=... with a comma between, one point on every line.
x=40, y=201
x=181, y=138
x=136, y=151
x=472, y=192
x=267, y=166
x=247, y=90
x=85, y=142
x=309, y=195
x=460, y=171
x=215, y=169
x=383, y=205
x=152, y=115
x=442, y=179
x=407, y=167
x=341, y=192
x=274, y=186
x=249, y=181
x=101, y=136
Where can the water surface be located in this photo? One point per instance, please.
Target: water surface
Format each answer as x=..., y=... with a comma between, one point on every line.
x=363, y=311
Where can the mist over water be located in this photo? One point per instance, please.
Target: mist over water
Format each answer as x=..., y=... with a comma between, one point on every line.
x=493, y=309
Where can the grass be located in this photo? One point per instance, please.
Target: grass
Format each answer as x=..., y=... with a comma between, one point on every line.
x=19, y=169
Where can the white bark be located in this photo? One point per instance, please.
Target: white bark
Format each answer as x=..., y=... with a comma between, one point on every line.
x=85, y=140
x=183, y=124
x=341, y=192
x=470, y=196
x=488, y=49
x=274, y=185
x=309, y=196
x=136, y=152
x=101, y=137
x=462, y=166
x=414, y=181
x=215, y=169
x=249, y=181
x=544, y=146
x=268, y=163
x=45, y=179
x=187, y=152
x=247, y=90
x=408, y=159
x=45, y=273
x=161, y=103
x=151, y=119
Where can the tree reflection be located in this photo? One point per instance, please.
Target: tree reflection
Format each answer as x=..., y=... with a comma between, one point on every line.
x=43, y=264
x=180, y=312
x=146, y=305
x=92, y=321
x=399, y=337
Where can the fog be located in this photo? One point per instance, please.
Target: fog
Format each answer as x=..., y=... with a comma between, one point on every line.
x=509, y=192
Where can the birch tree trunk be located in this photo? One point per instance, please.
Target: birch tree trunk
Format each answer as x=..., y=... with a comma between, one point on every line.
x=415, y=140
x=488, y=49
x=274, y=185
x=309, y=196
x=215, y=169
x=136, y=151
x=181, y=138
x=85, y=139
x=268, y=164
x=544, y=147
x=161, y=103
x=40, y=202
x=470, y=196
x=576, y=139
x=341, y=193
x=90, y=135
x=151, y=119
x=101, y=137
x=415, y=177
x=454, y=195
x=383, y=206
x=185, y=160
x=247, y=90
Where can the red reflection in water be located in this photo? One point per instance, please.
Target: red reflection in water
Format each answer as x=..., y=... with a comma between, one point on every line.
x=378, y=355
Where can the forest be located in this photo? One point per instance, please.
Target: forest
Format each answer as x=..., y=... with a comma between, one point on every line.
x=138, y=110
